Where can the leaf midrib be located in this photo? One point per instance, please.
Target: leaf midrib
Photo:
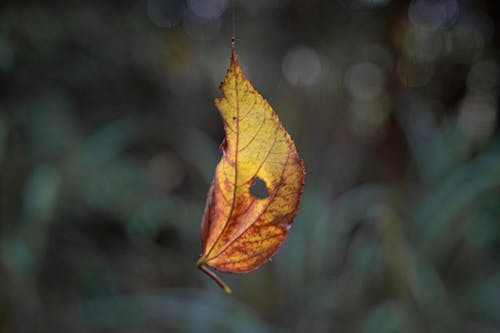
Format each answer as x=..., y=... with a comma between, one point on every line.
x=233, y=203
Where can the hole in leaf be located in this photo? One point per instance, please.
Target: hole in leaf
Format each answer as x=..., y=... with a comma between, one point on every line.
x=258, y=188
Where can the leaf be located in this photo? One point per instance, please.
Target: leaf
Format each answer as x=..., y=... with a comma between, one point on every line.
x=258, y=182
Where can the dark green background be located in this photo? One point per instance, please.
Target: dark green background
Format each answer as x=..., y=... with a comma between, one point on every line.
x=109, y=140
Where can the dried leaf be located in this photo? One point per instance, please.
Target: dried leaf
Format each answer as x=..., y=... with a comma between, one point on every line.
x=258, y=182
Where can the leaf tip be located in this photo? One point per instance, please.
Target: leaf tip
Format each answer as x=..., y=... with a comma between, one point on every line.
x=234, y=59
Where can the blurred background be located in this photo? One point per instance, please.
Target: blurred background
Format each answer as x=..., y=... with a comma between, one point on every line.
x=109, y=140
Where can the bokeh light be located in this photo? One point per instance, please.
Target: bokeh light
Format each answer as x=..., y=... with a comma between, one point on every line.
x=301, y=66
x=484, y=76
x=208, y=9
x=433, y=14
x=423, y=45
x=477, y=116
x=364, y=80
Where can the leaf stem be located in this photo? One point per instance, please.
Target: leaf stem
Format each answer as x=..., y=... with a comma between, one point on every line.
x=201, y=266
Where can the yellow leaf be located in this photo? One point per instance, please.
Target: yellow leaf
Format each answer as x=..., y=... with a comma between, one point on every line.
x=241, y=228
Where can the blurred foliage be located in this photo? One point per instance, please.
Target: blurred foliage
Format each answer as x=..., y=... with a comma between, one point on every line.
x=109, y=138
